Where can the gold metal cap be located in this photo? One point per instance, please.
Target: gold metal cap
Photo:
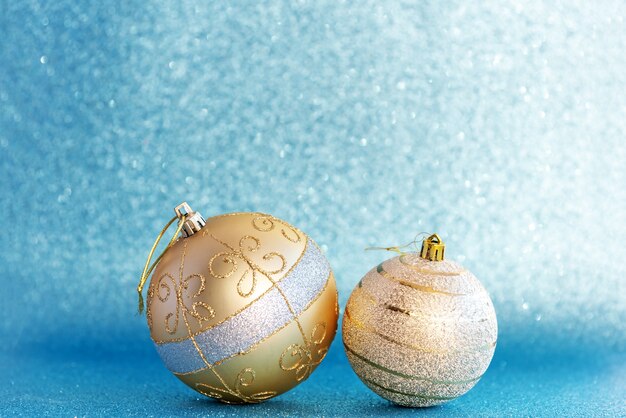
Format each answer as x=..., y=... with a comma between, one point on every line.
x=433, y=248
x=194, y=221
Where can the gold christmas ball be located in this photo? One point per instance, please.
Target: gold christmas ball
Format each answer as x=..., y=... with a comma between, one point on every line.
x=242, y=307
x=419, y=330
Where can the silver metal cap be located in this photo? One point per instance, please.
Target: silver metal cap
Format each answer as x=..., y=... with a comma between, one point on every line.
x=194, y=221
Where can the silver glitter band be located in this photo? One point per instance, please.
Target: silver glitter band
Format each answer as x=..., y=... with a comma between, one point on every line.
x=262, y=318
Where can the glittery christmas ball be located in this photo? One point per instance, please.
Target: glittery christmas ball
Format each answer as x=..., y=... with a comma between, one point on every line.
x=242, y=307
x=419, y=330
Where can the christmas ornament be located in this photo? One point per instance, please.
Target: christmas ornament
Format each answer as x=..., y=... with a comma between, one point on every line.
x=420, y=330
x=242, y=307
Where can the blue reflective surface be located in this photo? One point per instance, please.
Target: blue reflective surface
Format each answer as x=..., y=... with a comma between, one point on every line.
x=500, y=126
x=137, y=384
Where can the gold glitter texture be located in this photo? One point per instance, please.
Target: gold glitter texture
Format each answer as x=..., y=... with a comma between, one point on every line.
x=419, y=332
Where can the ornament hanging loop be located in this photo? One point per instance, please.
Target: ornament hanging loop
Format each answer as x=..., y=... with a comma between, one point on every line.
x=398, y=248
x=147, y=269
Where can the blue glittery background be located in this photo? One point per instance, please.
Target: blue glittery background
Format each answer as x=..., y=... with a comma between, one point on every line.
x=500, y=125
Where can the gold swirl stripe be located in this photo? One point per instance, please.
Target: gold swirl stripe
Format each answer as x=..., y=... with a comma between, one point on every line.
x=372, y=300
x=275, y=283
x=193, y=340
x=408, y=376
x=372, y=330
x=380, y=270
x=257, y=214
x=416, y=395
x=255, y=345
x=429, y=272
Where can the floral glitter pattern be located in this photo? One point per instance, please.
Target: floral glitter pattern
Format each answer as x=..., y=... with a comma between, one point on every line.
x=303, y=358
x=236, y=256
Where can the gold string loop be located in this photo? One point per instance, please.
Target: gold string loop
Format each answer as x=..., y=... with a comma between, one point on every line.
x=398, y=248
x=147, y=269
